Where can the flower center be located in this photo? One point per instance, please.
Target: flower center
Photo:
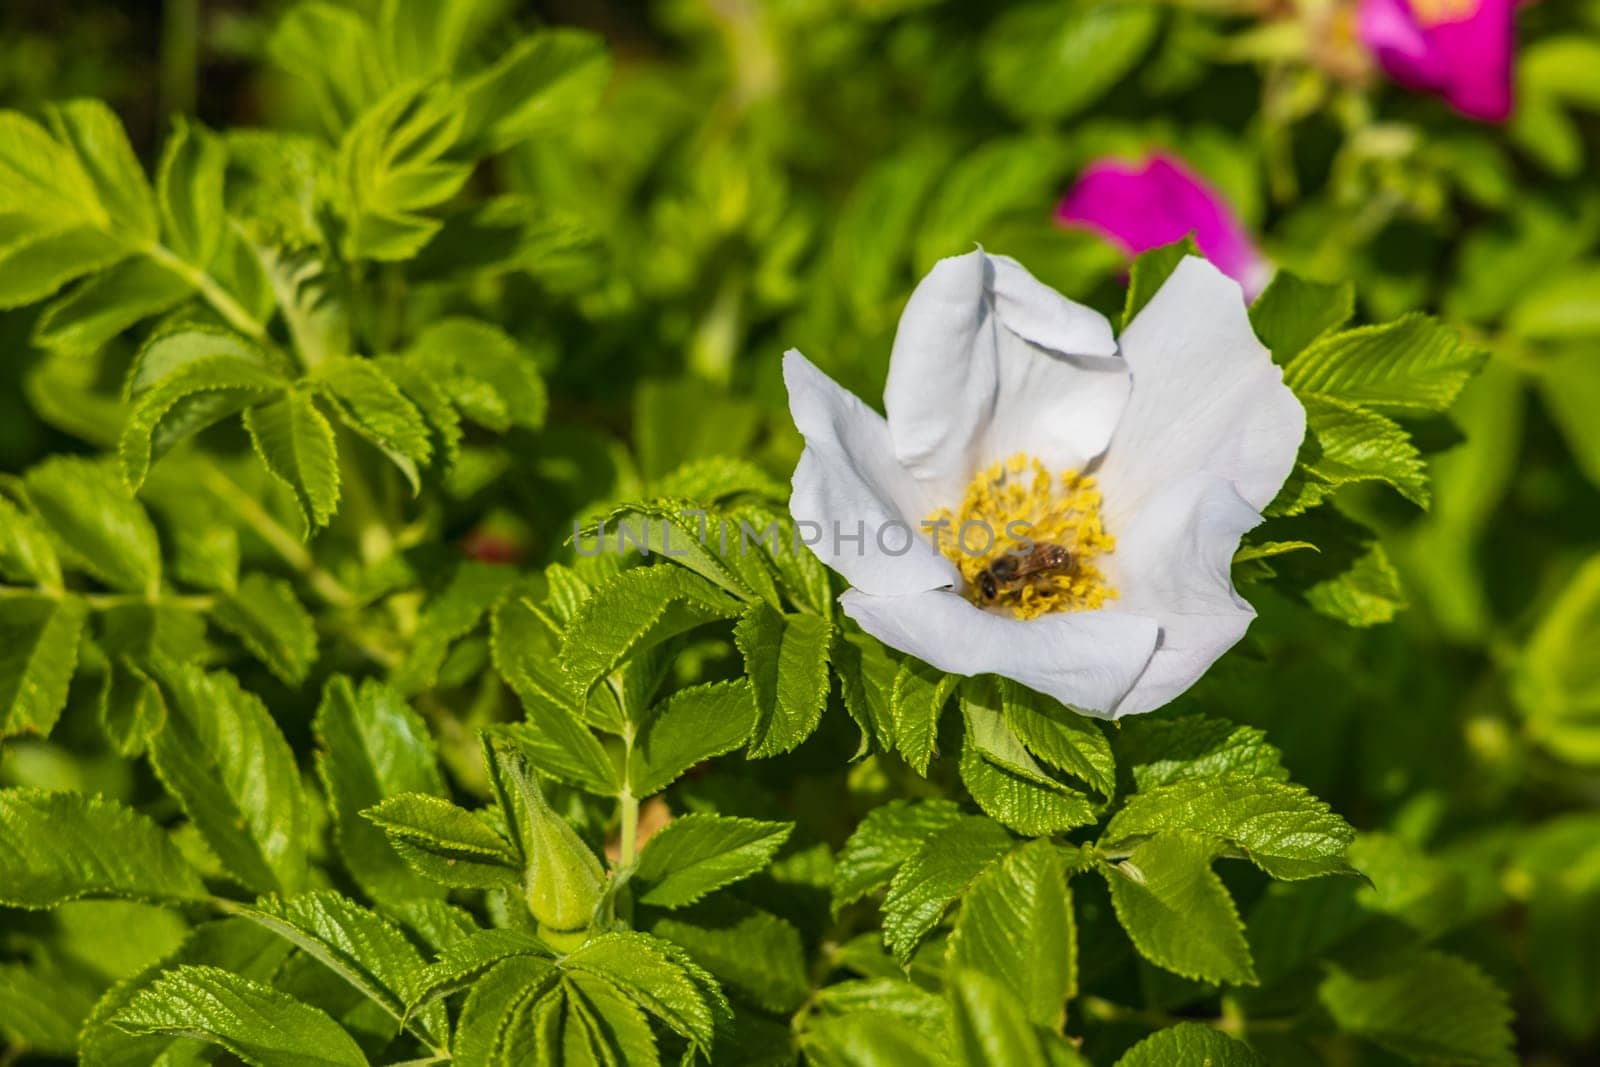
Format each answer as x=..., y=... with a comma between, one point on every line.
x=1434, y=12
x=1026, y=541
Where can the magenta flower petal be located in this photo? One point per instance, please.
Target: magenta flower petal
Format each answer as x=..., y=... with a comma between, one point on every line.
x=1459, y=49
x=1141, y=207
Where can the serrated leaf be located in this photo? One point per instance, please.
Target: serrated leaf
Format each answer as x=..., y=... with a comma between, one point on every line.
x=524, y=641
x=1176, y=910
x=263, y=1027
x=1425, y=1006
x=1022, y=802
x=37, y=265
x=698, y=537
x=445, y=843
x=459, y=965
x=916, y=702
x=636, y=610
x=483, y=372
x=547, y=80
x=169, y=349
x=269, y=619
x=786, y=657
x=698, y=854
x=196, y=395
x=108, y=303
x=1292, y=312
x=867, y=673
x=1062, y=738
x=100, y=527
x=42, y=1007
x=691, y=726
x=492, y=1004
x=454, y=612
x=296, y=443
x=56, y=847
x=868, y=1039
x=755, y=954
x=361, y=947
x=653, y=974
x=38, y=655
x=368, y=402
x=94, y=134
x=1190, y=1043
x=221, y=755
x=937, y=873
x=888, y=837
x=372, y=746
x=1280, y=826
x=1043, y=62
x=1161, y=751
x=1409, y=365
x=131, y=707
x=189, y=192
x=1357, y=444
x=987, y=1025
x=1016, y=926
x=26, y=553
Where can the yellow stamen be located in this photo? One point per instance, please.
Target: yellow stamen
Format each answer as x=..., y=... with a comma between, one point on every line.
x=1012, y=506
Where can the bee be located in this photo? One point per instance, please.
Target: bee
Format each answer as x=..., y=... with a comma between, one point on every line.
x=1010, y=570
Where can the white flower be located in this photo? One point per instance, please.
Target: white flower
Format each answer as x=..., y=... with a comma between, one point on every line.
x=1144, y=464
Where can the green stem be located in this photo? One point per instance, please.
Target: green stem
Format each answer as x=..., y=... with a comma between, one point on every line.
x=215, y=295
x=180, y=55
x=628, y=845
x=272, y=532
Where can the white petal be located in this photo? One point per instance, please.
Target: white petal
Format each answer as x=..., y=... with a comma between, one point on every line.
x=1173, y=563
x=1207, y=399
x=847, y=482
x=989, y=361
x=1087, y=660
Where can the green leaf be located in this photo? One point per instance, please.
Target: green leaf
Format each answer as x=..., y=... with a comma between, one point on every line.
x=1367, y=593
x=98, y=526
x=56, y=847
x=171, y=348
x=756, y=955
x=187, y=401
x=1356, y=444
x=1190, y=1043
x=372, y=746
x=38, y=655
x=1150, y=272
x=867, y=673
x=221, y=755
x=636, y=610
x=1016, y=926
x=1570, y=387
x=987, y=1025
x=41, y=177
x=691, y=726
x=786, y=657
x=1562, y=307
x=1000, y=176
x=393, y=167
x=938, y=872
x=445, y=843
x=296, y=443
x=189, y=191
x=492, y=1004
x=1060, y=737
x=1161, y=751
x=460, y=965
x=1412, y=364
x=1044, y=62
x=868, y=1039
x=1555, y=680
x=1176, y=910
x=269, y=619
x=131, y=707
x=1280, y=826
x=42, y=1007
x=94, y=134
x=698, y=854
x=524, y=641
x=453, y=613
x=484, y=372
x=1293, y=312
x=888, y=837
x=547, y=81
x=26, y=554
x=658, y=977
x=361, y=947
x=916, y=702
x=368, y=402
x=108, y=303
x=686, y=533
x=38, y=265
x=1425, y=1006
x=263, y=1027
x=1028, y=802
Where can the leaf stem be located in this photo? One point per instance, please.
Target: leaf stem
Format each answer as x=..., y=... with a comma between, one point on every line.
x=214, y=294
x=272, y=532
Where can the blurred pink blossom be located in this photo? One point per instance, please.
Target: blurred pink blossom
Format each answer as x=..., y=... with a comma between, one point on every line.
x=1145, y=206
x=1460, y=49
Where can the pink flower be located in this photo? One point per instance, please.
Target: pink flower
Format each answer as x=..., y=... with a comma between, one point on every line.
x=1460, y=49
x=1141, y=207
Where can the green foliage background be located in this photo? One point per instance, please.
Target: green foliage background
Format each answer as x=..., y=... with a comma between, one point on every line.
x=324, y=324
